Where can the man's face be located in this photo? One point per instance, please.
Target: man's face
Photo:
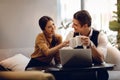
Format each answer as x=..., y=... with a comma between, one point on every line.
x=77, y=26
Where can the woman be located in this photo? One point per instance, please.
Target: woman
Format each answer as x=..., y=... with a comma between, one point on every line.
x=47, y=45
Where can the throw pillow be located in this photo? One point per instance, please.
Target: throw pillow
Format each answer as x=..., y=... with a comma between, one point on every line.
x=4, y=69
x=17, y=62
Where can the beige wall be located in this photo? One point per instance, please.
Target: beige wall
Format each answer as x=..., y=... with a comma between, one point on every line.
x=19, y=21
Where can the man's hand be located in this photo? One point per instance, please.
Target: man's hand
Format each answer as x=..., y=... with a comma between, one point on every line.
x=85, y=40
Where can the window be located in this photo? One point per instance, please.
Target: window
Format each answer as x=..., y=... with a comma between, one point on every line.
x=67, y=9
x=102, y=12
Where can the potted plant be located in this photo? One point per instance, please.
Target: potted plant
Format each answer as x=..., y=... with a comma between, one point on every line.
x=65, y=27
x=65, y=24
x=115, y=24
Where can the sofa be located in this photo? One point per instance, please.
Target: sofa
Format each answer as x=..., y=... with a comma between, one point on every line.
x=25, y=75
x=16, y=59
x=13, y=62
x=113, y=56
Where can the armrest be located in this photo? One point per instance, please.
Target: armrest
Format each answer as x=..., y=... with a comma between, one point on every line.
x=25, y=75
x=113, y=56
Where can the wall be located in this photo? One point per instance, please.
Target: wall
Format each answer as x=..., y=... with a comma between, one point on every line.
x=19, y=21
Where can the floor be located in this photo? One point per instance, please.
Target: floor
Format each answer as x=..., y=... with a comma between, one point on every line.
x=114, y=75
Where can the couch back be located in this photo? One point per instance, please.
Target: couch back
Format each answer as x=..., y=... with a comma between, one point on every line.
x=113, y=54
x=6, y=53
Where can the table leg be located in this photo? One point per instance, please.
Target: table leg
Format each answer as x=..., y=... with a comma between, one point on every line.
x=102, y=74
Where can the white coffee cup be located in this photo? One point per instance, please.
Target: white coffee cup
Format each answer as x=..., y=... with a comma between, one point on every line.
x=72, y=42
x=78, y=40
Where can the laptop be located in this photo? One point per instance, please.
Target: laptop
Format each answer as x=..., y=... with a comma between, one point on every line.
x=75, y=58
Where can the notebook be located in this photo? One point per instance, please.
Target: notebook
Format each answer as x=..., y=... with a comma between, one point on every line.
x=76, y=58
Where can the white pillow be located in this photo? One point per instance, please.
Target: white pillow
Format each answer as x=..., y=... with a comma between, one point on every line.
x=17, y=62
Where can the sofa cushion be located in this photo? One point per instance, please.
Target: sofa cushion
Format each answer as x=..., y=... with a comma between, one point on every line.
x=113, y=56
x=4, y=69
x=6, y=53
x=17, y=62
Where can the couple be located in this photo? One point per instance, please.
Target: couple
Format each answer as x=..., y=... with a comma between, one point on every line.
x=48, y=43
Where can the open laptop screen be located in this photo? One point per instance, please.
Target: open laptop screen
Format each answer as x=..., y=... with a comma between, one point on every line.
x=76, y=58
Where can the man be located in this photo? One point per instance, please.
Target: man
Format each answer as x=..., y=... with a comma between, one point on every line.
x=91, y=38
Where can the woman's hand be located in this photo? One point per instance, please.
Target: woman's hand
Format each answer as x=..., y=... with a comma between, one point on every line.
x=65, y=43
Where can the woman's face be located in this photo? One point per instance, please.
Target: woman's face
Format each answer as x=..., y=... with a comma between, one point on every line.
x=50, y=28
